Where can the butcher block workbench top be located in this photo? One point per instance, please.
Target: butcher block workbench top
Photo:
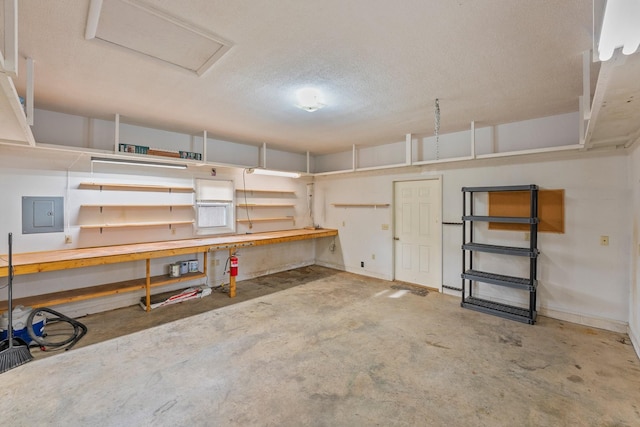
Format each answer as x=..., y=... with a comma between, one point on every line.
x=36, y=262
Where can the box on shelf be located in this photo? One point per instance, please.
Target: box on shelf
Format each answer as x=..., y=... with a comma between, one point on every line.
x=190, y=155
x=131, y=148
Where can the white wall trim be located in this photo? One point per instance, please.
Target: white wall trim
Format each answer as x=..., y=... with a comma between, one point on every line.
x=635, y=340
x=358, y=271
x=581, y=319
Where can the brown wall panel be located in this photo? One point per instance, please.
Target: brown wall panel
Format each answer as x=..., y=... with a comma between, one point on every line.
x=517, y=203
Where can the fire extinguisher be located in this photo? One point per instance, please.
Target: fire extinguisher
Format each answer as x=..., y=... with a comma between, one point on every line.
x=233, y=265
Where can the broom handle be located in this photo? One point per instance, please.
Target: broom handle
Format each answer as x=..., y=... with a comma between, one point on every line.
x=10, y=296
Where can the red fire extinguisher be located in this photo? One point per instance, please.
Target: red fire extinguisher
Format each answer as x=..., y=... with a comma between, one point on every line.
x=233, y=264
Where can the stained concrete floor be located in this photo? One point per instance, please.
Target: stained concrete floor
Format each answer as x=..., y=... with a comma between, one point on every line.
x=336, y=350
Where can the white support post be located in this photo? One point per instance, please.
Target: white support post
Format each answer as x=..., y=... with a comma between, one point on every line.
x=586, y=85
x=10, y=60
x=263, y=162
x=116, y=146
x=581, y=121
x=204, y=146
x=354, y=163
x=308, y=163
x=408, y=159
x=473, y=139
x=29, y=100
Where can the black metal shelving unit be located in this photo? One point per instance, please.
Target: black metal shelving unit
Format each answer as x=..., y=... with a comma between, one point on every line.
x=470, y=275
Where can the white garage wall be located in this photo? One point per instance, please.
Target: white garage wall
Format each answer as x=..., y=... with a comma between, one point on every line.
x=580, y=280
x=26, y=171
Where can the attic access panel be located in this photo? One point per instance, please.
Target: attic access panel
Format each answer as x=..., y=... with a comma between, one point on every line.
x=154, y=33
x=42, y=215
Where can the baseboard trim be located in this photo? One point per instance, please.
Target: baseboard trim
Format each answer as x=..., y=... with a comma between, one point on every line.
x=635, y=341
x=581, y=319
x=357, y=271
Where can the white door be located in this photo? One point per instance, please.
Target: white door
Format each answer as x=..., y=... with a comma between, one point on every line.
x=417, y=232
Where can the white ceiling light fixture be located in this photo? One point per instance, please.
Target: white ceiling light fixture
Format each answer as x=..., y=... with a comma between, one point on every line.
x=309, y=99
x=258, y=171
x=620, y=28
x=137, y=163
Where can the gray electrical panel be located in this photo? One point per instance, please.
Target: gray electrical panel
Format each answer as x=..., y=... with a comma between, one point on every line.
x=42, y=214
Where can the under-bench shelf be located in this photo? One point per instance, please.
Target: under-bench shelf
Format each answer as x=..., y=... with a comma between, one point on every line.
x=81, y=294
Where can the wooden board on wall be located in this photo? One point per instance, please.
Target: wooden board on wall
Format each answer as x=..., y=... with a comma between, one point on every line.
x=517, y=203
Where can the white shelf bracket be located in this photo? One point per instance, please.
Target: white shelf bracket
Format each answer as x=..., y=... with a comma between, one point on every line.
x=408, y=149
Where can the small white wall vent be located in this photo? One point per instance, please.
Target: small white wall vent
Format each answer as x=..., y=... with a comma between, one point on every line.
x=155, y=33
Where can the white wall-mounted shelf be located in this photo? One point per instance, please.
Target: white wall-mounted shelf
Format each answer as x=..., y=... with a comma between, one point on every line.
x=134, y=187
x=135, y=224
x=283, y=218
x=361, y=205
x=114, y=206
x=103, y=222
x=247, y=190
x=264, y=205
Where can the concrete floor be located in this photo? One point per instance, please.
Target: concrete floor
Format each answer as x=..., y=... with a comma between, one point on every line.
x=337, y=350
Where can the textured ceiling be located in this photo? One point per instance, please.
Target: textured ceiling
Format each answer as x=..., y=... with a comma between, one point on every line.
x=380, y=64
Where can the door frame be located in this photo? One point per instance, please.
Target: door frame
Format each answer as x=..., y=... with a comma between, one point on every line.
x=393, y=191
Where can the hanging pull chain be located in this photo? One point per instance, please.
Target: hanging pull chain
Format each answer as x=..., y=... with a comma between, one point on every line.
x=437, y=128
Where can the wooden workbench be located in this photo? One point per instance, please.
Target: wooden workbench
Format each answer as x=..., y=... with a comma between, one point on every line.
x=37, y=262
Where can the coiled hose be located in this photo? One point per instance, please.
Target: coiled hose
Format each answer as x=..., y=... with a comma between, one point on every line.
x=79, y=330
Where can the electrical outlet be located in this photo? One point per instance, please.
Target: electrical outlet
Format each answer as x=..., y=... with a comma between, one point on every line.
x=68, y=239
x=343, y=223
x=385, y=226
x=373, y=256
x=527, y=236
x=604, y=240
x=362, y=264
